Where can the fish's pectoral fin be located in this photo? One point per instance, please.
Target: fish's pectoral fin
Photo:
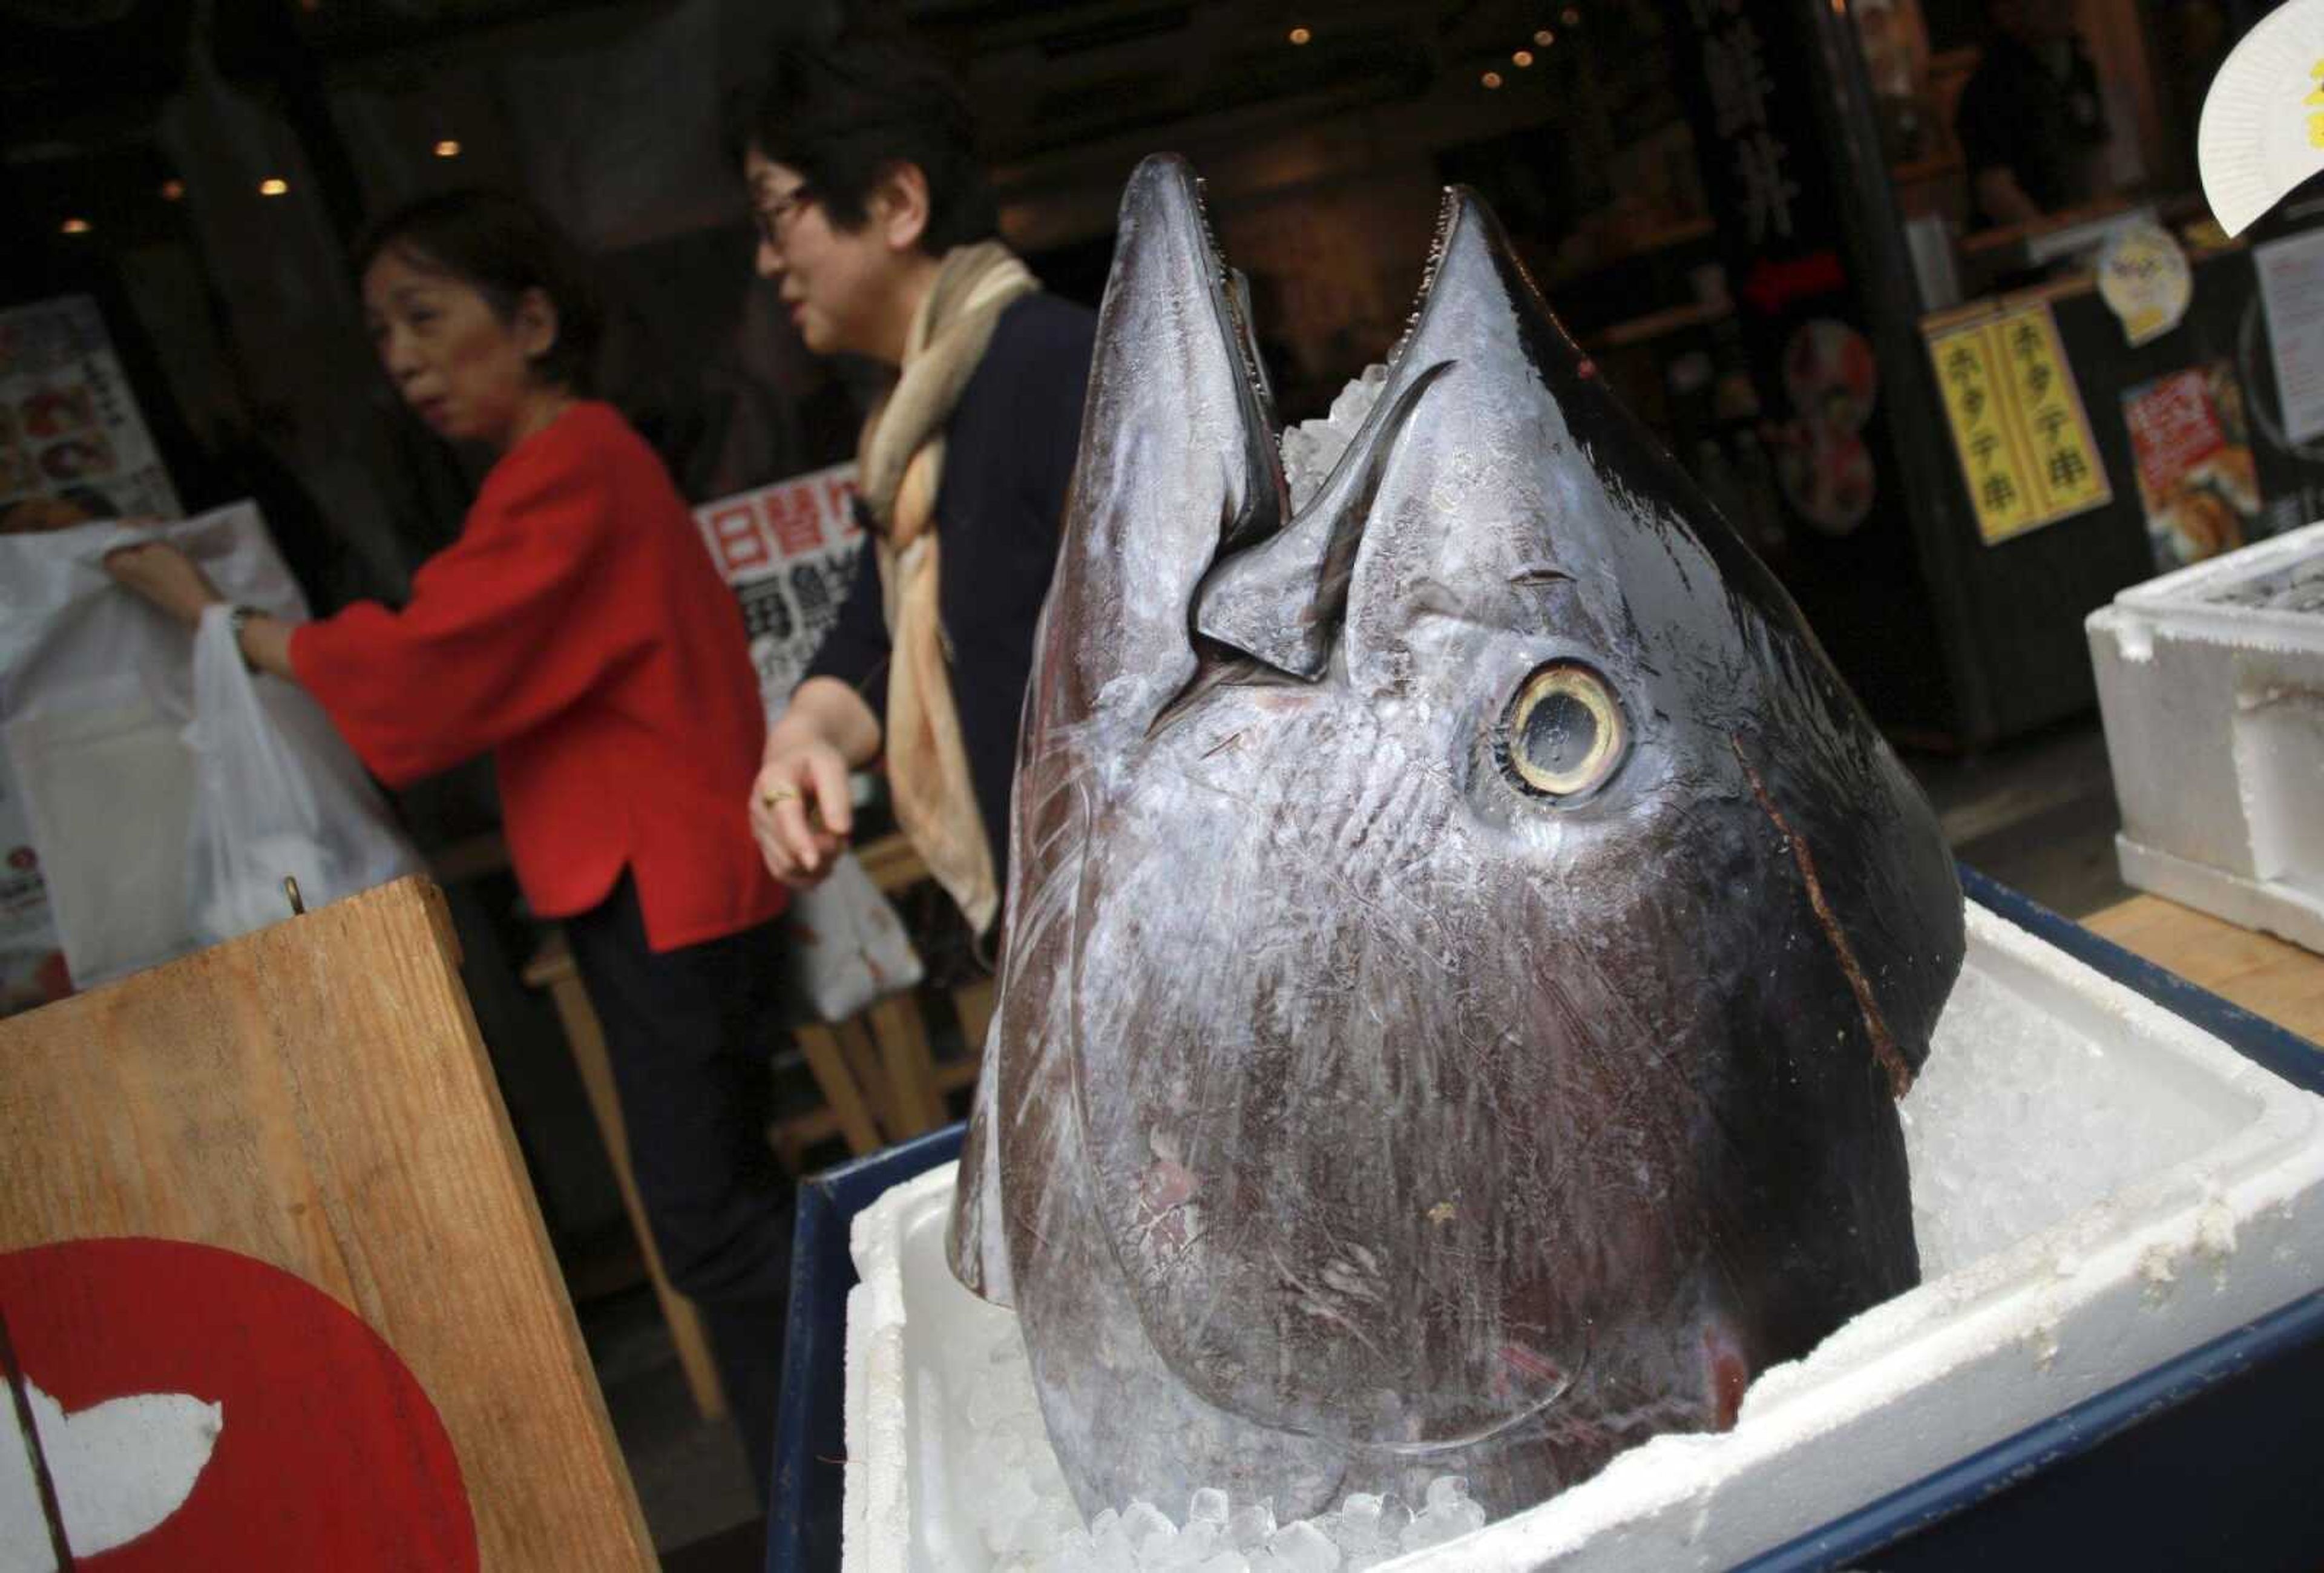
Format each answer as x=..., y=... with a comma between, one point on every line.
x=1281, y=601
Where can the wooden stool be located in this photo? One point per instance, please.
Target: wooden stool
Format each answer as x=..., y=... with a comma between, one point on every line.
x=879, y=1081
x=876, y=1080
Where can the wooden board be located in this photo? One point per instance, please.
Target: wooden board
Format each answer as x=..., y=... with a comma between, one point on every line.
x=2264, y=974
x=315, y=1096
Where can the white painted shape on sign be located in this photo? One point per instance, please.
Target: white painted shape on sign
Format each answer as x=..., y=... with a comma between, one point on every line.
x=120, y=1468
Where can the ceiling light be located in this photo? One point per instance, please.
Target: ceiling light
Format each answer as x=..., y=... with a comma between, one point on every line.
x=1544, y=38
x=1522, y=59
x=174, y=190
x=1300, y=35
x=75, y=226
x=1571, y=17
x=273, y=186
x=1492, y=79
x=448, y=149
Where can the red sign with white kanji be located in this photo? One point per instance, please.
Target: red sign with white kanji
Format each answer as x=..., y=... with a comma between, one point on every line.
x=789, y=550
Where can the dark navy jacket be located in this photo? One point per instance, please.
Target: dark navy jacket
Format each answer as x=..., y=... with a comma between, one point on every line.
x=1009, y=454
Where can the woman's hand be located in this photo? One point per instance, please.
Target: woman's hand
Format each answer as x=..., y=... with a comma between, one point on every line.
x=166, y=577
x=800, y=811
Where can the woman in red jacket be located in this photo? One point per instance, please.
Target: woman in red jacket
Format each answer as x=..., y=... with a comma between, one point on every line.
x=579, y=632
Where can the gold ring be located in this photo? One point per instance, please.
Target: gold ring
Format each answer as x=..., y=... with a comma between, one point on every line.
x=779, y=795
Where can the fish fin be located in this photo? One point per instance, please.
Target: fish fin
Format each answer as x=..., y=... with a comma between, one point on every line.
x=1281, y=600
x=975, y=1244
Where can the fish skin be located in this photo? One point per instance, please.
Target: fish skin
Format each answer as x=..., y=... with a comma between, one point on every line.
x=1352, y=1115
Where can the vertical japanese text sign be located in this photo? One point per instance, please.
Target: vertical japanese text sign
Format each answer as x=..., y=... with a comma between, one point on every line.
x=1751, y=77
x=2019, y=428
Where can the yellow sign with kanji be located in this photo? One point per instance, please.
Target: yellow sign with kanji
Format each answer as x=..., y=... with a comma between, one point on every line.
x=2019, y=428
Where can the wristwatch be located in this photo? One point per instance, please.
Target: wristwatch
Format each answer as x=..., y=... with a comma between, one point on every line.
x=237, y=617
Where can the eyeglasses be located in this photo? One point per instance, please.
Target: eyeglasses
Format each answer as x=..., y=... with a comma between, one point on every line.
x=776, y=220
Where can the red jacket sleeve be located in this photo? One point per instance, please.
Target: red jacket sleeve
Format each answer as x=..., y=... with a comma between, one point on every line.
x=505, y=629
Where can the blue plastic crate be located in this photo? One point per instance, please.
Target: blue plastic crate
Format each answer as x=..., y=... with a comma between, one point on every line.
x=803, y=1511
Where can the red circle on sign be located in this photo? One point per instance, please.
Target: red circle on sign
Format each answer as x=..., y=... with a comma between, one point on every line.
x=328, y=1453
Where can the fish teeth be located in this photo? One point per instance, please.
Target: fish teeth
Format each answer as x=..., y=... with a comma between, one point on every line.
x=1246, y=338
x=1437, y=242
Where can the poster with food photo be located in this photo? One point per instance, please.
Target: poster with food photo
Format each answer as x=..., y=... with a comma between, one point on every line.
x=32, y=959
x=73, y=444
x=74, y=448
x=2196, y=476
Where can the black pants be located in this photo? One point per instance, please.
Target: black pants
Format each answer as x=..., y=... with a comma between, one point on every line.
x=691, y=1034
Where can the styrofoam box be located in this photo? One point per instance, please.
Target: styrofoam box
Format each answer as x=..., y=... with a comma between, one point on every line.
x=2216, y=1218
x=2211, y=685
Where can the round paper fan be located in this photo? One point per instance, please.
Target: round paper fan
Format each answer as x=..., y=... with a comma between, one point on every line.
x=2263, y=128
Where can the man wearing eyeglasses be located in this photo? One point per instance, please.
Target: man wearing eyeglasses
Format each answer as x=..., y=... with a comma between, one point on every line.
x=875, y=220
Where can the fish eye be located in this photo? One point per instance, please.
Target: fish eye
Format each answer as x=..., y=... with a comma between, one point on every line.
x=1562, y=735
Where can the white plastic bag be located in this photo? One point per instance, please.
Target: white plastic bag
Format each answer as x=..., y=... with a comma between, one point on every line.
x=277, y=795
x=96, y=692
x=848, y=946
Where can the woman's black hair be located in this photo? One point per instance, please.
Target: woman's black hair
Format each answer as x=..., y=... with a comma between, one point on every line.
x=843, y=112
x=501, y=246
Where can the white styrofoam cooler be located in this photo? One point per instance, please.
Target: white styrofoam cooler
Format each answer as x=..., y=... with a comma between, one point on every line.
x=2227, y=1226
x=2213, y=701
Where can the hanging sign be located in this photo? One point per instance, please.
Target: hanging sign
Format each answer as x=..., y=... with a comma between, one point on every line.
x=2145, y=281
x=788, y=549
x=2019, y=428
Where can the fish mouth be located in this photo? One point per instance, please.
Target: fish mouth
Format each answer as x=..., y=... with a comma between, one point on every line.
x=1230, y=303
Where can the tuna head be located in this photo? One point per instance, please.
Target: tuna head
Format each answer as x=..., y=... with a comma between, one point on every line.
x=1467, y=941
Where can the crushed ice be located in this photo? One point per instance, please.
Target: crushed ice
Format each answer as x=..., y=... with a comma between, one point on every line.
x=1311, y=447
x=1013, y=1491
x=2017, y=1122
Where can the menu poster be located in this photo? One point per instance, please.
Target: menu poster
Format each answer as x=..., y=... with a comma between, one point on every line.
x=31, y=958
x=2291, y=285
x=73, y=445
x=2197, y=478
x=789, y=551
x=73, y=448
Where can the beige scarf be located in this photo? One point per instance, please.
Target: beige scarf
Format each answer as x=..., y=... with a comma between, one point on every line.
x=900, y=464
